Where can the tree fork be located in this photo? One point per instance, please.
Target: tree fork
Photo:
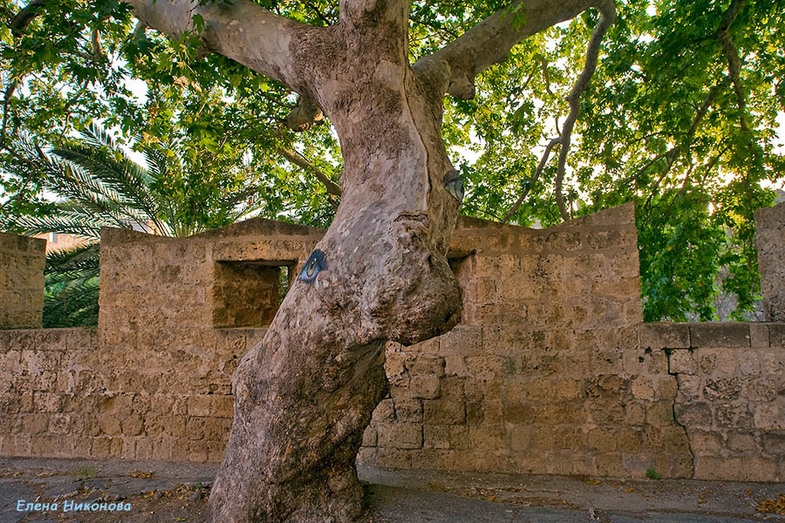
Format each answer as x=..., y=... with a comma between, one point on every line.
x=305, y=394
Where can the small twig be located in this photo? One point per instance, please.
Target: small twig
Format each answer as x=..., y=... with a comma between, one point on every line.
x=543, y=161
x=673, y=154
x=301, y=162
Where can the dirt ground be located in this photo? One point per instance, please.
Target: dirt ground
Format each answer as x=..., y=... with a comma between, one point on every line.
x=162, y=492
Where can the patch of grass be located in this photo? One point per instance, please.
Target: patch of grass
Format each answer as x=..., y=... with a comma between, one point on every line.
x=87, y=472
x=652, y=474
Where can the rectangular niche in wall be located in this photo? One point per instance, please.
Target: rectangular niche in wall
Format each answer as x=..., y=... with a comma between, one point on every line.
x=248, y=293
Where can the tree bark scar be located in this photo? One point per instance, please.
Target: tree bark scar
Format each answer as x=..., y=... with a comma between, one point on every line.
x=409, y=78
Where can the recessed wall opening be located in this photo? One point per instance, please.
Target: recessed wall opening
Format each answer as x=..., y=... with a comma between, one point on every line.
x=248, y=293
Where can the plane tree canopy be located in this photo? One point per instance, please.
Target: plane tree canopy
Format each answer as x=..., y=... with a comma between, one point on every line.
x=530, y=111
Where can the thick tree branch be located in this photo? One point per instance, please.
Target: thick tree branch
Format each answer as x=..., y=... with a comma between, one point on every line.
x=607, y=17
x=457, y=64
x=25, y=16
x=240, y=30
x=9, y=92
x=304, y=115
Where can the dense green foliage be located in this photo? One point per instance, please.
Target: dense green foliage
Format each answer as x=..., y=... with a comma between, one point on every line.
x=679, y=117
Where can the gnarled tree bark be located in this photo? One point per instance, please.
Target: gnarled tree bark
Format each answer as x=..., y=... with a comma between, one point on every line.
x=304, y=396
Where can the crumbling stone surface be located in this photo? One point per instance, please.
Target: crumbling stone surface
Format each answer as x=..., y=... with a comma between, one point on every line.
x=21, y=281
x=731, y=400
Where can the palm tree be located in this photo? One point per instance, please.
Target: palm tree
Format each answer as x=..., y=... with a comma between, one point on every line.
x=98, y=185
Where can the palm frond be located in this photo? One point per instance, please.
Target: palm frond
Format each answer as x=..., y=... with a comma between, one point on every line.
x=71, y=304
x=99, y=155
x=68, y=264
x=64, y=224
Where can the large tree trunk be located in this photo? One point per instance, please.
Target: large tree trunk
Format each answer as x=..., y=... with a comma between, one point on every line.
x=304, y=396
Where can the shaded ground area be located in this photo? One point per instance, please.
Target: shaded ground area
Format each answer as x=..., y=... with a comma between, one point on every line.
x=177, y=492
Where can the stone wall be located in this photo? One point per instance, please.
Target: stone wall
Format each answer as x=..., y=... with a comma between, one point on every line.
x=545, y=374
x=731, y=395
x=174, y=292
x=770, y=241
x=550, y=371
x=21, y=281
x=64, y=393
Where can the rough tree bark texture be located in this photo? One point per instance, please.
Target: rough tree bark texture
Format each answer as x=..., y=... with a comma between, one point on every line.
x=304, y=396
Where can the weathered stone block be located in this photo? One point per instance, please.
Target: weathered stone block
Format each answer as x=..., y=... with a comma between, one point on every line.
x=642, y=388
x=221, y=406
x=759, y=336
x=733, y=416
x=556, y=413
x=446, y=411
x=761, y=390
x=777, y=334
x=47, y=402
x=436, y=437
x=101, y=447
x=719, y=335
x=463, y=339
x=744, y=443
x=601, y=440
x=666, y=388
x=659, y=414
x=769, y=416
x=694, y=415
x=725, y=389
x=400, y=435
x=636, y=413
x=109, y=424
x=774, y=443
x=682, y=362
x=664, y=336
x=369, y=437
x=384, y=412
x=424, y=387
x=706, y=443
x=132, y=425
x=194, y=429
x=421, y=365
x=216, y=429
x=758, y=468
x=408, y=411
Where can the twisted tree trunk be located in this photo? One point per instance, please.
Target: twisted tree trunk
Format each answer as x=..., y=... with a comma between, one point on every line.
x=304, y=396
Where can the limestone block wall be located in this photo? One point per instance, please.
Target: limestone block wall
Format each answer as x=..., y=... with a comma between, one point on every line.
x=64, y=393
x=22, y=262
x=550, y=371
x=545, y=374
x=731, y=395
x=173, y=292
x=770, y=241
